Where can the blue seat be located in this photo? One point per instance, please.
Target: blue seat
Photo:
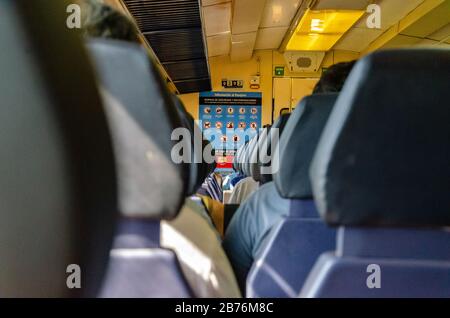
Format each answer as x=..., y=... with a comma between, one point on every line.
x=199, y=169
x=152, y=187
x=387, y=186
x=299, y=238
x=57, y=172
x=247, y=154
x=139, y=267
x=268, y=148
x=238, y=159
x=405, y=257
x=293, y=246
x=188, y=126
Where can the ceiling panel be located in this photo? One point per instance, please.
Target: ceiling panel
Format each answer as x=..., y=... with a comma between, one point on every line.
x=219, y=44
x=431, y=22
x=278, y=13
x=442, y=34
x=392, y=11
x=433, y=44
x=217, y=18
x=270, y=38
x=247, y=15
x=340, y=4
x=401, y=41
x=360, y=37
x=242, y=46
x=428, y=43
x=357, y=39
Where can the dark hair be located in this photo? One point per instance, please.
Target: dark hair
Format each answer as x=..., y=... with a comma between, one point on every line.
x=334, y=78
x=101, y=20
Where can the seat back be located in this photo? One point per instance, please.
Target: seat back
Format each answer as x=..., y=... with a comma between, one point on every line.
x=389, y=189
x=254, y=156
x=139, y=267
x=269, y=148
x=57, y=176
x=206, y=167
x=259, y=160
x=152, y=187
x=247, y=155
x=383, y=263
x=237, y=158
x=295, y=243
x=198, y=168
x=187, y=143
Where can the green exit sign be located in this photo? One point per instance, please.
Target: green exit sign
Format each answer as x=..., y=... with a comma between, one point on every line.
x=279, y=70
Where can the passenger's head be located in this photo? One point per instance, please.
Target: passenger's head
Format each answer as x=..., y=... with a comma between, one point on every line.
x=101, y=20
x=334, y=78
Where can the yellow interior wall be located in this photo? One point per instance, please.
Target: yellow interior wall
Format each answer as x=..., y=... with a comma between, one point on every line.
x=221, y=67
x=190, y=101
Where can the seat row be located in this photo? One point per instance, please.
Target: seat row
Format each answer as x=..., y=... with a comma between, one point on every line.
x=93, y=202
x=367, y=177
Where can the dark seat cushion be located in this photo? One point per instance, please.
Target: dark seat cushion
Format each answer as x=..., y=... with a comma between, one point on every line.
x=142, y=117
x=298, y=143
x=383, y=159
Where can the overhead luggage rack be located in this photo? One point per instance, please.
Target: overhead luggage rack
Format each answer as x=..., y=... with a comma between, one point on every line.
x=173, y=29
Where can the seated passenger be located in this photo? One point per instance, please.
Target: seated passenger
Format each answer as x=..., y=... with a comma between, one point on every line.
x=242, y=190
x=227, y=184
x=211, y=196
x=334, y=78
x=264, y=208
x=212, y=187
x=190, y=235
x=235, y=180
x=215, y=210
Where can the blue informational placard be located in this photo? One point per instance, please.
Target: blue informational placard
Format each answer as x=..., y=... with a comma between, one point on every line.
x=228, y=119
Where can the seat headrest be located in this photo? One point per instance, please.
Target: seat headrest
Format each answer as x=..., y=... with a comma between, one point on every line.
x=57, y=177
x=203, y=168
x=188, y=123
x=254, y=157
x=235, y=162
x=199, y=169
x=186, y=119
x=383, y=159
x=207, y=167
x=298, y=143
x=142, y=117
x=247, y=155
x=238, y=159
x=280, y=123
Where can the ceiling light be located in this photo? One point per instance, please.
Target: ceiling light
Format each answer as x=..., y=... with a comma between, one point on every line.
x=319, y=30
